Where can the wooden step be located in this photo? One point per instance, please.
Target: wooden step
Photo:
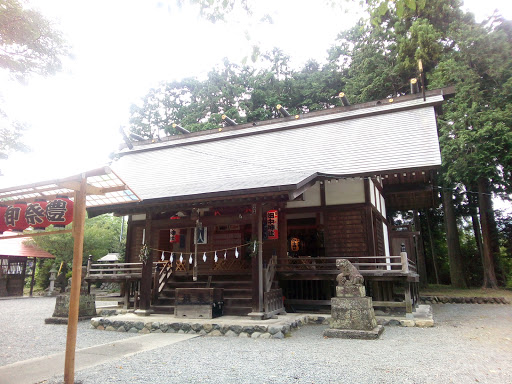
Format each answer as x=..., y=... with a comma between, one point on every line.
x=237, y=302
x=237, y=311
x=166, y=309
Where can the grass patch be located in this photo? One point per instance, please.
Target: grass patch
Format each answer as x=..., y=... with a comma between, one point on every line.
x=449, y=291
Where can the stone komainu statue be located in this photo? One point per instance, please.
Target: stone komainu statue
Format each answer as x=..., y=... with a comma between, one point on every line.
x=349, y=275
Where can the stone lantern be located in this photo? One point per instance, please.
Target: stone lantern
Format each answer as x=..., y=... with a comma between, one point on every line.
x=53, y=277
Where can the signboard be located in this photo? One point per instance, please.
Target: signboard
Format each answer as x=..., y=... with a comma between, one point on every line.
x=174, y=236
x=38, y=215
x=272, y=225
x=201, y=236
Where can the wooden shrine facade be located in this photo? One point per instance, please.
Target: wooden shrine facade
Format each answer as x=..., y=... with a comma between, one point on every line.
x=330, y=177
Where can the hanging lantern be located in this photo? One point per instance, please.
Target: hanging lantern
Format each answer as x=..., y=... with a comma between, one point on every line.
x=14, y=217
x=295, y=244
x=3, y=225
x=225, y=254
x=35, y=215
x=215, y=258
x=59, y=212
x=236, y=252
x=181, y=257
x=163, y=256
x=172, y=257
x=204, y=257
x=190, y=259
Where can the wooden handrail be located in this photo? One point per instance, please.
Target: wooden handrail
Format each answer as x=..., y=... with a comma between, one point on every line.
x=380, y=264
x=270, y=272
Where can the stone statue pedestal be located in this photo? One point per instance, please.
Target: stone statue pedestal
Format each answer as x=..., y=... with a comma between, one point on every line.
x=351, y=310
x=86, y=306
x=86, y=309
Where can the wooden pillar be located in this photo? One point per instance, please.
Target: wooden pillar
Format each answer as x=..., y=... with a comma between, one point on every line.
x=257, y=262
x=283, y=236
x=408, y=299
x=74, y=299
x=147, y=270
x=420, y=251
x=256, y=221
x=33, y=276
x=260, y=257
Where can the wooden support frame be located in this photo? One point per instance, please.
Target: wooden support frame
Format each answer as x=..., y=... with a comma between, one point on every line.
x=74, y=298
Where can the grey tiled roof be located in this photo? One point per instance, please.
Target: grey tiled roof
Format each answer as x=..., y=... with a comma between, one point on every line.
x=284, y=155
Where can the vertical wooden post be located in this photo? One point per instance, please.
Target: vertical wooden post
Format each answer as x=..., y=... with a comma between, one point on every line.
x=408, y=299
x=147, y=271
x=33, y=276
x=260, y=256
x=255, y=222
x=74, y=298
x=283, y=237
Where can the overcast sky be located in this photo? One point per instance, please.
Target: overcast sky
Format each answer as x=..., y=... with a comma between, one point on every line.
x=122, y=48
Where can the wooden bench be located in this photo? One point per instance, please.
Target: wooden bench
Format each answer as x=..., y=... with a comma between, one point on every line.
x=196, y=303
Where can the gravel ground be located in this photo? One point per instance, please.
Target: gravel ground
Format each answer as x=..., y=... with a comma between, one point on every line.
x=24, y=335
x=470, y=343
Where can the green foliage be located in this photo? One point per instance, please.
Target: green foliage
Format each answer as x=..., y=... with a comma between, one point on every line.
x=243, y=93
x=101, y=237
x=28, y=42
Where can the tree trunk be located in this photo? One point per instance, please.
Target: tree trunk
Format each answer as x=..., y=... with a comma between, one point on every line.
x=432, y=249
x=473, y=204
x=489, y=233
x=452, y=240
x=422, y=265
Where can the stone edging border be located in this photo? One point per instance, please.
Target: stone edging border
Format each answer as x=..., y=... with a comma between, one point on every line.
x=209, y=329
x=463, y=300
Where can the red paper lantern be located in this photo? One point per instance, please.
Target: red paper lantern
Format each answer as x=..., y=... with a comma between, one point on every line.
x=36, y=215
x=14, y=217
x=59, y=212
x=3, y=225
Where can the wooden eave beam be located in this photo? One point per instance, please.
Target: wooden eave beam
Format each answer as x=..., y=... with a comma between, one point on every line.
x=75, y=186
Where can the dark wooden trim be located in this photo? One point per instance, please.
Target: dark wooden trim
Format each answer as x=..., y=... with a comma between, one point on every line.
x=322, y=194
x=129, y=239
x=207, y=221
x=367, y=194
x=147, y=270
x=327, y=208
x=283, y=234
x=369, y=230
x=254, y=260
x=33, y=276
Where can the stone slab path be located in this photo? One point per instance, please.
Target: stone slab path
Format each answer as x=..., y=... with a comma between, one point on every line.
x=39, y=369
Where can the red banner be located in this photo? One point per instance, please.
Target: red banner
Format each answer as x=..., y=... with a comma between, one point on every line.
x=38, y=215
x=272, y=225
x=3, y=226
x=59, y=212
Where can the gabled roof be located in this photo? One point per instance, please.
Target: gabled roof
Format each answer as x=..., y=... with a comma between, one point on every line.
x=285, y=155
x=18, y=247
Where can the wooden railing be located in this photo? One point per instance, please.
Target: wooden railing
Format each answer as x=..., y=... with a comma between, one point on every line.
x=269, y=273
x=367, y=265
x=116, y=271
x=273, y=302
